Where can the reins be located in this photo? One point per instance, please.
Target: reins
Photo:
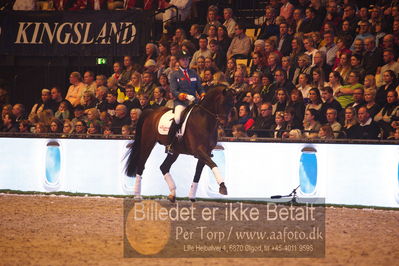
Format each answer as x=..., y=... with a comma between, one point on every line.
x=215, y=116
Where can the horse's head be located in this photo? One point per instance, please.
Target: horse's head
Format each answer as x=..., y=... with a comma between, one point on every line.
x=229, y=99
x=219, y=100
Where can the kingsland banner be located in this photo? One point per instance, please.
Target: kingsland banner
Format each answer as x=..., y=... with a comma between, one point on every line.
x=71, y=33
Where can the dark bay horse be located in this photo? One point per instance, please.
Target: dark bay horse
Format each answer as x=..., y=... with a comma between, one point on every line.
x=199, y=139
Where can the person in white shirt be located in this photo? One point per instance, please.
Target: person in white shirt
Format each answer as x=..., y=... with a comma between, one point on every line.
x=26, y=5
x=184, y=10
x=202, y=51
x=330, y=48
x=76, y=89
x=229, y=22
x=390, y=64
x=331, y=115
x=241, y=43
x=308, y=43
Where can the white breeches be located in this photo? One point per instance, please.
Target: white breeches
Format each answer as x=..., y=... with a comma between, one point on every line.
x=178, y=110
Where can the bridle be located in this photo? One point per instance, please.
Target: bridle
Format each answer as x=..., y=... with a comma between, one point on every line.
x=217, y=117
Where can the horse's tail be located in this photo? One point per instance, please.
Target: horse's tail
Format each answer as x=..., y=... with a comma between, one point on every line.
x=134, y=149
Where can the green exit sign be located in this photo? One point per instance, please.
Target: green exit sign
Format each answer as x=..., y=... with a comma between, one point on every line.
x=101, y=61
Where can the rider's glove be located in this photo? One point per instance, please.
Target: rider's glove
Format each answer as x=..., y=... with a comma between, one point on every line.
x=190, y=98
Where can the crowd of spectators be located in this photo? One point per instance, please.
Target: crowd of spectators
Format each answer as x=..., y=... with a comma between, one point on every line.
x=313, y=69
x=74, y=5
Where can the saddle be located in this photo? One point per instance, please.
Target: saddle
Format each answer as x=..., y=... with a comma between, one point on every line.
x=166, y=120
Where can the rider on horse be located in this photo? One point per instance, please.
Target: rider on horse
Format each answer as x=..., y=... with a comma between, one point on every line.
x=185, y=84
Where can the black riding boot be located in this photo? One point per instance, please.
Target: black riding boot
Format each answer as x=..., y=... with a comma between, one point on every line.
x=171, y=136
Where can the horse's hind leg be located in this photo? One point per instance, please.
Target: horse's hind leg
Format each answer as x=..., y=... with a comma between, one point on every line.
x=165, y=167
x=146, y=147
x=197, y=176
x=204, y=156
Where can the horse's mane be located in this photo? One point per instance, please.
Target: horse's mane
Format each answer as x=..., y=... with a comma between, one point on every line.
x=213, y=91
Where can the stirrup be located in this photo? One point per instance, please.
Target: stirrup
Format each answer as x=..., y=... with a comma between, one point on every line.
x=169, y=149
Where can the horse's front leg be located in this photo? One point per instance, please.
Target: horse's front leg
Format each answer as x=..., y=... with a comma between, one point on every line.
x=165, y=168
x=204, y=156
x=197, y=176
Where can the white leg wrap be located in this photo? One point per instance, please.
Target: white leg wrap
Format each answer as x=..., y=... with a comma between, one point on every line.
x=193, y=191
x=217, y=174
x=171, y=183
x=137, y=186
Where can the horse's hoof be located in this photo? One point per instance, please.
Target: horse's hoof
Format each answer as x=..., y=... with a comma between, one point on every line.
x=172, y=198
x=192, y=199
x=222, y=189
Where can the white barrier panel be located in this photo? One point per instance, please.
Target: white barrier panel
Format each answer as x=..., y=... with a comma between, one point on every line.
x=342, y=173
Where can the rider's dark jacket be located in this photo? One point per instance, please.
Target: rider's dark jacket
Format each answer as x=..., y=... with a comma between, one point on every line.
x=180, y=84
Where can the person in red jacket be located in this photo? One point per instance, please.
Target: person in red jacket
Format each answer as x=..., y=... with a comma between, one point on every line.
x=244, y=117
